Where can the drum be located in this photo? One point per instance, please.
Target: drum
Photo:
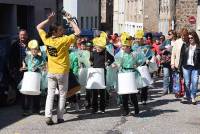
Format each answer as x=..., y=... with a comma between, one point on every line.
x=95, y=78
x=31, y=83
x=146, y=77
x=127, y=83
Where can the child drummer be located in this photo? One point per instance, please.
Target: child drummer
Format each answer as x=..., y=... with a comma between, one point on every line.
x=146, y=53
x=128, y=63
x=100, y=58
x=33, y=63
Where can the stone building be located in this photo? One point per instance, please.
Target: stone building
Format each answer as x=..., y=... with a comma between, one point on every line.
x=151, y=15
x=128, y=16
x=185, y=11
x=167, y=12
x=106, y=15
x=198, y=18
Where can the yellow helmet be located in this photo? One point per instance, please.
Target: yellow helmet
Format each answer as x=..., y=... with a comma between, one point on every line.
x=100, y=42
x=103, y=35
x=124, y=39
x=139, y=34
x=33, y=44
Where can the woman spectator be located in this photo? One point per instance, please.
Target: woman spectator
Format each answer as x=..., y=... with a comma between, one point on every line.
x=189, y=63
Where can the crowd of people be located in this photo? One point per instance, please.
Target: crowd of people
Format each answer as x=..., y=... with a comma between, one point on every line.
x=64, y=62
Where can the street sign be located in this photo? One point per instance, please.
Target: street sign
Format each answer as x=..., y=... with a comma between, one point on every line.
x=192, y=20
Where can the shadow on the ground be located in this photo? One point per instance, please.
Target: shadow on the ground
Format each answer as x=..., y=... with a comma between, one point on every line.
x=145, y=111
x=10, y=115
x=154, y=112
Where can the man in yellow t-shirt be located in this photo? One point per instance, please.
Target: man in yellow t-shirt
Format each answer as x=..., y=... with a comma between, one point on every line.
x=57, y=45
x=58, y=59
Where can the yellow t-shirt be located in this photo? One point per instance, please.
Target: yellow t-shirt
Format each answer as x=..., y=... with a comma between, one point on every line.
x=57, y=51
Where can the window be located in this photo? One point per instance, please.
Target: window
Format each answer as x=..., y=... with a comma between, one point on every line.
x=82, y=22
x=87, y=23
x=91, y=22
x=96, y=22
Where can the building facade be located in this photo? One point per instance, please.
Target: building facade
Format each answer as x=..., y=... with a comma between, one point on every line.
x=185, y=11
x=198, y=18
x=24, y=14
x=86, y=12
x=167, y=12
x=151, y=15
x=107, y=15
x=128, y=16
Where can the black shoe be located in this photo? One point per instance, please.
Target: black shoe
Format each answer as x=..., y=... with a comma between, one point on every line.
x=49, y=121
x=137, y=112
x=94, y=111
x=144, y=103
x=36, y=112
x=60, y=121
x=125, y=113
x=88, y=107
x=25, y=114
x=165, y=92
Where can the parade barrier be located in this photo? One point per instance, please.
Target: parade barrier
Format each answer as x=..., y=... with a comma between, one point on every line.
x=127, y=83
x=146, y=77
x=95, y=78
x=31, y=83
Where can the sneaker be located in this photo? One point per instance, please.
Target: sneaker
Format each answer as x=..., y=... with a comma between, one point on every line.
x=136, y=111
x=164, y=93
x=77, y=107
x=25, y=114
x=144, y=103
x=37, y=112
x=60, y=121
x=102, y=111
x=94, y=111
x=87, y=107
x=49, y=121
x=194, y=101
x=125, y=113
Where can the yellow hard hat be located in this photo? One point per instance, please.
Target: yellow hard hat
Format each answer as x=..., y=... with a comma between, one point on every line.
x=139, y=34
x=33, y=44
x=103, y=35
x=124, y=39
x=100, y=42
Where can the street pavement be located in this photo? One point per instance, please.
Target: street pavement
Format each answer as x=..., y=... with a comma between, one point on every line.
x=161, y=115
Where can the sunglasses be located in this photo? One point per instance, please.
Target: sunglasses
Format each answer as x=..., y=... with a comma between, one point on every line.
x=169, y=34
x=191, y=37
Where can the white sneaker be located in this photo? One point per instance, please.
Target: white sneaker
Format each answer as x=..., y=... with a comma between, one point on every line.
x=193, y=100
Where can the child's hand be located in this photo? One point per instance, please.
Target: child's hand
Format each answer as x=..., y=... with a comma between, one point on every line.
x=23, y=69
x=114, y=65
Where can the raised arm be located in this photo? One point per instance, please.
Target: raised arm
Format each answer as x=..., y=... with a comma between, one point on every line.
x=45, y=22
x=76, y=29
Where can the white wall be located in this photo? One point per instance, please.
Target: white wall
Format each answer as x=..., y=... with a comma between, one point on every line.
x=70, y=6
x=83, y=8
x=120, y=24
